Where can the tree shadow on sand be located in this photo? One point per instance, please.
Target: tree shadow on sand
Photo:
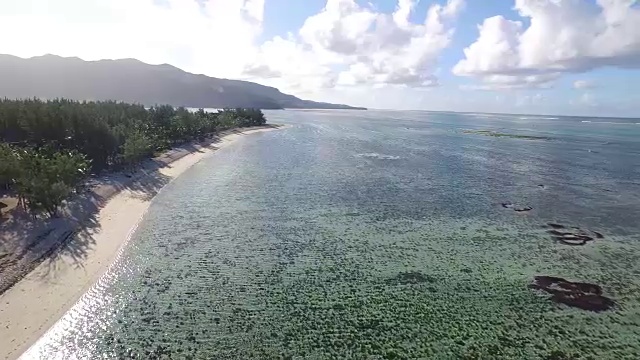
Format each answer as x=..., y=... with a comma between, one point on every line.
x=28, y=240
x=67, y=239
x=74, y=246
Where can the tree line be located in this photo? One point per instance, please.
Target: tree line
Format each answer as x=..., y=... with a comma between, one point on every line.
x=48, y=147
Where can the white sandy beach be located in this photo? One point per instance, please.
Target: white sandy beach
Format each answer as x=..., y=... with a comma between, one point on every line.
x=35, y=303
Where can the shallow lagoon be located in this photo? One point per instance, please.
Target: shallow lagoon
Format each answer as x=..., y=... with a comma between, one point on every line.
x=378, y=235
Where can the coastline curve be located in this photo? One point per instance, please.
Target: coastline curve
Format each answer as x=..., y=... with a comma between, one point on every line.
x=32, y=308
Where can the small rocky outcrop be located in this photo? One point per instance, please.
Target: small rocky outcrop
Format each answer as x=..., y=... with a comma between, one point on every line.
x=512, y=206
x=580, y=295
x=573, y=236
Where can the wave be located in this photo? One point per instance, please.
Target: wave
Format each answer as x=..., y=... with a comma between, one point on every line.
x=609, y=122
x=378, y=156
x=486, y=116
x=538, y=118
x=508, y=116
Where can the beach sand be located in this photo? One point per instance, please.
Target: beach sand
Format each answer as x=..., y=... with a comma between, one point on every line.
x=32, y=305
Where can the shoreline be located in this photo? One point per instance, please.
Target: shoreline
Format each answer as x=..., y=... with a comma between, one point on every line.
x=70, y=255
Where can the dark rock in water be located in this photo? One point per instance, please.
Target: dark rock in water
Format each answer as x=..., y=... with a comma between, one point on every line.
x=510, y=205
x=571, y=242
x=572, y=239
x=559, y=355
x=541, y=282
x=589, y=302
x=574, y=235
x=583, y=296
x=410, y=277
x=507, y=205
x=541, y=186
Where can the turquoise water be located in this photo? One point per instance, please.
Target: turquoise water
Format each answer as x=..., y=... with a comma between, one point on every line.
x=296, y=244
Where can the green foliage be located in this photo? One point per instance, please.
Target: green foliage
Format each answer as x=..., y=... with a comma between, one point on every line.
x=45, y=178
x=8, y=165
x=104, y=131
x=53, y=142
x=136, y=147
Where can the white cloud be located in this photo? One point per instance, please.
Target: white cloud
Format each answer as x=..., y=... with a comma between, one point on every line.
x=350, y=52
x=206, y=36
x=563, y=36
x=583, y=84
x=511, y=82
x=292, y=65
x=348, y=44
x=345, y=43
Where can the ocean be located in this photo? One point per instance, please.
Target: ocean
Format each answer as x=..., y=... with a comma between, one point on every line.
x=381, y=235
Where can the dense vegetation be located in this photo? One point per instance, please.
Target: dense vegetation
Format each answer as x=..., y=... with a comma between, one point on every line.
x=48, y=147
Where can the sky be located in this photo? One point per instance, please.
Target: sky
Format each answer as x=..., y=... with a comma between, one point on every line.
x=567, y=57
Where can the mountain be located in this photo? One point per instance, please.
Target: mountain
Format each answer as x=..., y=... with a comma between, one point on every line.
x=133, y=81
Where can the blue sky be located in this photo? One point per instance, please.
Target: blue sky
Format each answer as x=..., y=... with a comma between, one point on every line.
x=524, y=56
x=612, y=91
